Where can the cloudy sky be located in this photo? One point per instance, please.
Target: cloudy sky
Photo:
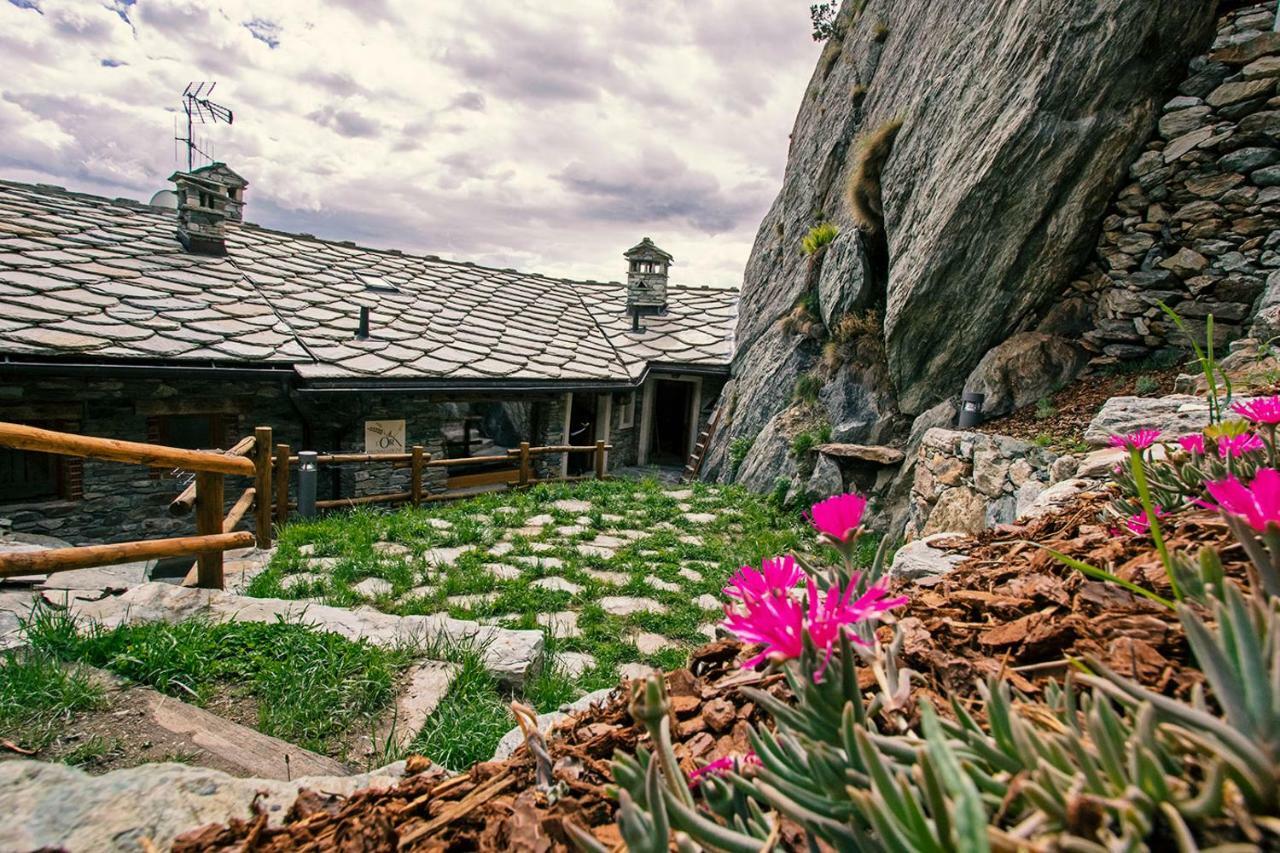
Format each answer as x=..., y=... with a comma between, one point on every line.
x=546, y=135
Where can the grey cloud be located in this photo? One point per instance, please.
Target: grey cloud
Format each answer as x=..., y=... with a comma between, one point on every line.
x=346, y=122
x=473, y=101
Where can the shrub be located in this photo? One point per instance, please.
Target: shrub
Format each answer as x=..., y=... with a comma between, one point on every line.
x=1045, y=409
x=808, y=386
x=819, y=236
x=1145, y=385
x=864, y=190
x=738, y=450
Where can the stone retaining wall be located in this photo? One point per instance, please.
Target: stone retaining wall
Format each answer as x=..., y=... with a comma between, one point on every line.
x=968, y=481
x=1197, y=228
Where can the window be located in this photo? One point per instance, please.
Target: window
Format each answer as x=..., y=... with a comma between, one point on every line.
x=625, y=403
x=190, y=432
x=29, y=477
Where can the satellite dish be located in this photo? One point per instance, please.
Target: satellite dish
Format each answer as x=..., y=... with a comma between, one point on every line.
x=165, y=198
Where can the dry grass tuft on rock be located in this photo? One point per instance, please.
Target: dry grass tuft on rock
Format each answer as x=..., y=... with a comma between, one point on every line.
x=864, y=191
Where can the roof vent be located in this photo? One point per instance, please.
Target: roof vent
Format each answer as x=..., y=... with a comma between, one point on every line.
x=362, y=332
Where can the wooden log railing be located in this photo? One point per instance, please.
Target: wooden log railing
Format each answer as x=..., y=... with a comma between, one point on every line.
x=215, y=531
x=525, y=454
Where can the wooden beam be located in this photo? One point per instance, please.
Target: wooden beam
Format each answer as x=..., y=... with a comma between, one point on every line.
x=390, y=497
x=487, y=478
x=157, y=456
x=86, y=556
x=238, y=510
x=262, y=486
x=505, y=459
x=209, y=523
x=181, y=505
x=282, y=484
x=566, y=448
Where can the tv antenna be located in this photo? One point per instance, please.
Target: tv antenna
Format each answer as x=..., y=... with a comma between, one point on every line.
x=198, y=107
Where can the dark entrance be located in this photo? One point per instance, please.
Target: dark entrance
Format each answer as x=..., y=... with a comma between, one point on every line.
x=582, y=431
x=669, y=441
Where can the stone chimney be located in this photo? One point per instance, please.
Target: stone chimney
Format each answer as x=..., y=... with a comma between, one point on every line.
x=207, y=198
x=646, y=278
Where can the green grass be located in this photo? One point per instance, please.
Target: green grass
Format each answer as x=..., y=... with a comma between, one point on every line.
x=822, y=234
x=468, y=723
x=310, y=687
x=38, y=695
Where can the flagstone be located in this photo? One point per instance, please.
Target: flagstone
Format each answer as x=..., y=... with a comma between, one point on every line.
x=299, y=579
x=604, y=540
x=471, y=600
x=558, y=584
x=658, y=583
x=323, y=563
x=541, y=547
x=526, y=532
x=538, y=521
x=708, y=630
x=612, y=578
x=571, y=505
x=690, y=575
x=691, y=540
x=707, y=601
x=502, y=571
x=649, y=643
x=699, y=517
x=502, y=548
x=445, y=556
x=373, y=587
x=586, y=549
x=625, y=605
x=560, y=623
x=574, y=664
x=424, y=591
x=392, y=549
x=680, y=494
x=441, y=524
x=632, y=671
x=571, y=530
x=544, y=562
x=611, y=518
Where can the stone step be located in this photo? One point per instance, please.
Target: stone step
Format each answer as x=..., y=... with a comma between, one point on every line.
x=245, y=750
x=427, y=683
x=511, y=655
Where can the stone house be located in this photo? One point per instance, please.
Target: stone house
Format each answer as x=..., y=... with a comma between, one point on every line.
x=177, y=322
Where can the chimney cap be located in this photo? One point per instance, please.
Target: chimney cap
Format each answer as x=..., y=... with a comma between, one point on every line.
x=646, y=249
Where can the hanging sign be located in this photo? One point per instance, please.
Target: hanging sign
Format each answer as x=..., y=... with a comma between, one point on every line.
x=384, y=436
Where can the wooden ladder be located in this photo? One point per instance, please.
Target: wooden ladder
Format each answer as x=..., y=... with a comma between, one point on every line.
x=694, y=465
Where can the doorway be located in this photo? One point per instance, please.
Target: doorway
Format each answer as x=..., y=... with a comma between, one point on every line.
x=582, y=431
x=672, y=407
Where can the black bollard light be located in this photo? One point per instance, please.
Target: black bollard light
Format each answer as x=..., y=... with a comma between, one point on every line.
x=307, y=473
x=971, y=409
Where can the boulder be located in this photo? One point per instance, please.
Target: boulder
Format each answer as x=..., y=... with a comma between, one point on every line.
x=1056, y=496
x=1023, y=369
x=959, y=508
x=920, y=559
x=1173, y=415
x=826, y=479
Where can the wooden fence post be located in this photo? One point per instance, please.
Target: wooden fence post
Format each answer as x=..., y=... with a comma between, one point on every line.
x=262, y=486
x=599, y=460
x=209, y=523
x=415, y=475
x=282, y=484
x=524, y=463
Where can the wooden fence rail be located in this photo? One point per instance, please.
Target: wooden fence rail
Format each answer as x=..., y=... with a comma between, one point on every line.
x=215, y=531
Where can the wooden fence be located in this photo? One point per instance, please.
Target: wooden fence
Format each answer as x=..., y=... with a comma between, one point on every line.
x=215, y=532
x=253, y=456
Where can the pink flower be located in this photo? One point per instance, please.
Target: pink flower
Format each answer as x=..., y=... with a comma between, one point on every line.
x=780, y=621
x=721, y=766
x=777, y=576
x=1139, y=525
x=1235, y=445
x=1193, y=443
x=1264, y=410
x=838, y=516
x=1140, y=440
x=1258, y=504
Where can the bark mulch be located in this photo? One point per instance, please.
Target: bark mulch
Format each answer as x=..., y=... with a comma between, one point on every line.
x=1011, y=611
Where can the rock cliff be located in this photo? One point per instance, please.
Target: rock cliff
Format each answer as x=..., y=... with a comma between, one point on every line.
x=955, y=229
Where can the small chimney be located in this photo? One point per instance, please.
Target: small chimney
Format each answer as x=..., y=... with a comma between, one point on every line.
x=647, y=267
x=362, y=331
x=207, y=198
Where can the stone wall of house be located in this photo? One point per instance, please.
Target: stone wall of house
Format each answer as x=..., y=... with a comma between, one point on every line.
x=1198, y=226
x=123, y=502
x=969, y=481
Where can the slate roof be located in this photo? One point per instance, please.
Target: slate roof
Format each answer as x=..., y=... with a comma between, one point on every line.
x=86, y=278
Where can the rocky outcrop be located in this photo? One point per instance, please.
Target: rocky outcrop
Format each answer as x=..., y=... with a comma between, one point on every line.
x=1018, y=121
x=1028, y=366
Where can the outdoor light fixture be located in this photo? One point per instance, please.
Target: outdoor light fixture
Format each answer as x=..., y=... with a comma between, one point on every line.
x=307, y=470
x=971, y=409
